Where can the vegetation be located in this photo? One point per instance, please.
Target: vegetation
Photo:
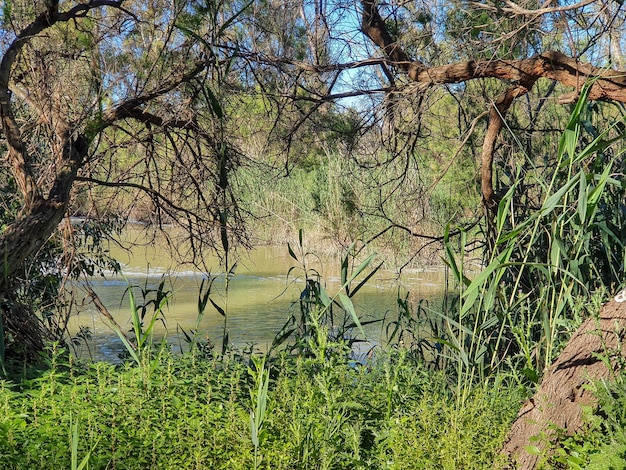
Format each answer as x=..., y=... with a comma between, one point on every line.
x=487, y=132
x=191, y=412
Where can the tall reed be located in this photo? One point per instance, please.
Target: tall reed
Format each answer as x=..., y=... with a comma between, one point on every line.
x=558, y=238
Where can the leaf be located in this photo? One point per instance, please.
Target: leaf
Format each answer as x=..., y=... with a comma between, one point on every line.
x=203, y=295
x=218, y=308
x=344, y=271
x=253, y=430
x=135, y=318
x=216, y=107
x=367, y=278
x=596, y=193
x=582, y=199
x=225, y=342
x=554, y=201
x=129, y=347
x=346, y=303
x=450, y=259
x=503, y=208
x=360, y=268
x=291, y=253
x=323, y=295
x=533, y=450
x=474, y=289
x=282, y=337
x=229, y=21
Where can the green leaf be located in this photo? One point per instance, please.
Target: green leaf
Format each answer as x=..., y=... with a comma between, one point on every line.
x=533, y=450
x=476, y=287
x=229, y=21
x=361, y=268
x=326, y=301
x=347, y=304
x=291, y=253
x=216, y=107
x=218, y=308
x=344, y=271
x=364, y=281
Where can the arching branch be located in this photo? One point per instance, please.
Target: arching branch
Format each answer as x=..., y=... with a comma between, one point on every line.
x=607, y=84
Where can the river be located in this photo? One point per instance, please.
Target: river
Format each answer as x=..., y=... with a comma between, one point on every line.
x=261, y=297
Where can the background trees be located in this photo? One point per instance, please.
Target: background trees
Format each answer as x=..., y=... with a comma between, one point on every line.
x=438, y=94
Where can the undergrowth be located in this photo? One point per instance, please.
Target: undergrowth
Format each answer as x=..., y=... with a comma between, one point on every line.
x=189, y=412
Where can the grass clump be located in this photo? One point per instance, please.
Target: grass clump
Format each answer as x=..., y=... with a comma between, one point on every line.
x=193, y=413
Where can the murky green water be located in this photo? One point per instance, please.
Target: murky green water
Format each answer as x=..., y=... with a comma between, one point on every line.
x=260, y=299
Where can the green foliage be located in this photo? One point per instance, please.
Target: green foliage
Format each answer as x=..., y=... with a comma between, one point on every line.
x=261, y=378
x=140, y=345
x=549, y=250
x=190, y=413
x=325, y=322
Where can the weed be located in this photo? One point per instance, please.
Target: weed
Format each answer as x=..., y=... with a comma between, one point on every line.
x=195, y=413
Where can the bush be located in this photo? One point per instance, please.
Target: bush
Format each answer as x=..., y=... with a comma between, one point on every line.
x=187, y=413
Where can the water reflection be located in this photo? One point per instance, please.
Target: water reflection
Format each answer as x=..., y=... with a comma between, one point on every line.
x=260, y=298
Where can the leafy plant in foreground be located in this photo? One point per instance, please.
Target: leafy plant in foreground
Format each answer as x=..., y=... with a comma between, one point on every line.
x=138, y=347
x=324, y=318
x=565, y=242
x=261, y=378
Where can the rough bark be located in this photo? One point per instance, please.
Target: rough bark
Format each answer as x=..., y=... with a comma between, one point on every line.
x=562, y=392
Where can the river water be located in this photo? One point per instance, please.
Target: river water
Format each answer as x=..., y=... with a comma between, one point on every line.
x=261, y=297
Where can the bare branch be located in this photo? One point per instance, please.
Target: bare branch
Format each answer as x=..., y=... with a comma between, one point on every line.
x=131, y=106
x=155, y=195
x=514, y=8
x=149, y=118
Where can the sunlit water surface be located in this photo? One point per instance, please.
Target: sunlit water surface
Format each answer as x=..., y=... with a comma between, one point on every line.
x=261, y=297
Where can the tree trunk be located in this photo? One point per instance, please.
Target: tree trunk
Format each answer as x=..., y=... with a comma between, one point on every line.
x=562, y=392
x=24, y=335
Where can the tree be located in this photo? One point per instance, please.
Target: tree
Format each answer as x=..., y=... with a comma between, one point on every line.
x=394, y=64
x=118, y=95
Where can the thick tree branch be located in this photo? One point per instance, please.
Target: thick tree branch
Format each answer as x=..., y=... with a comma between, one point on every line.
x=17, y=156
x=496, y=121
x=374, y=28
x=606, y=84
x=609, y=84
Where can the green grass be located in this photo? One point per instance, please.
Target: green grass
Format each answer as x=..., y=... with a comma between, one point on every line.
x=190, y=413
